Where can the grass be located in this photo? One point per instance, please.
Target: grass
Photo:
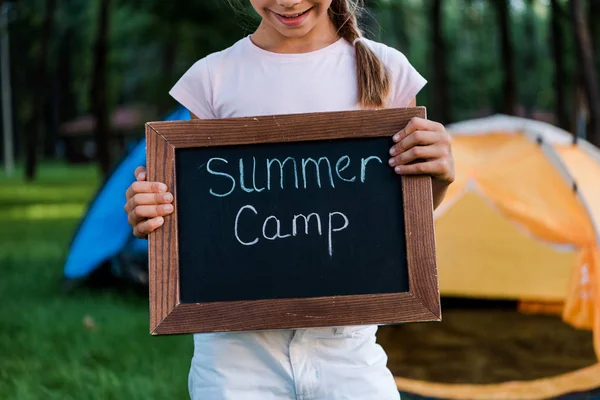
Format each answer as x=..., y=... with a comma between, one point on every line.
x=81, y=345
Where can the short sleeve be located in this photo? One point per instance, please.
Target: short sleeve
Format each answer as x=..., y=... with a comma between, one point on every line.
x=407, y=82
x=194, y=90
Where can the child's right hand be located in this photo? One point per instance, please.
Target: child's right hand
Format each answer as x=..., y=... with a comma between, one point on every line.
x=147, y=204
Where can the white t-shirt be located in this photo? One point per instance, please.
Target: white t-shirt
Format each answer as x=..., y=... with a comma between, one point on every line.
x=245, y=80
x=334, y=363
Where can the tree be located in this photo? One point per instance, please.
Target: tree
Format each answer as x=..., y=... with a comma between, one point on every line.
x=558, y=51
x=441, y=100
x=593, y=13
x=99, y=98
x=530, y=58
x=507, y=56
x=169, y=49
x=585, y=60
x=37, y=130
x=396, y=17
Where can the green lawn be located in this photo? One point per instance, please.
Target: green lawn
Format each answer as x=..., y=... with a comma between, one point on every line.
x=82, y=345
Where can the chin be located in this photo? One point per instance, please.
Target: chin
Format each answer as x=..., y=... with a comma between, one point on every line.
x=294, y=33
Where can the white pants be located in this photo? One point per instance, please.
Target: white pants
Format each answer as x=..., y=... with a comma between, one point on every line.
x=304, y=364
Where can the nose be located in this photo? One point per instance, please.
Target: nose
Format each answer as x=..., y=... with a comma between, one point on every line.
x=288, y=3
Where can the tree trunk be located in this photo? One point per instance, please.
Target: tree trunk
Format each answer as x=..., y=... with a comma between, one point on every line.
x=585, y=60
x=398, y=14
x=441, y=99
x=579, y=109
x=558, y=51
x=530, y=58
x=507, y=56
x=99, y=90
x=64, y=76
x=593, y=13
x=168, y=65
x=37, y=134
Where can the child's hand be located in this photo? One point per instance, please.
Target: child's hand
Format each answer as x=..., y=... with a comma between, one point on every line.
x=147, y=204
x=423, y=147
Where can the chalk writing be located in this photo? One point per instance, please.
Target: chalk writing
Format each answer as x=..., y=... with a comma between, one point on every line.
x=272, y=231
x=312, y=170
x=287, y=173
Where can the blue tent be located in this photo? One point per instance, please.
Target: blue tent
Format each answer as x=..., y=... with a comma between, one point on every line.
x=104, y=233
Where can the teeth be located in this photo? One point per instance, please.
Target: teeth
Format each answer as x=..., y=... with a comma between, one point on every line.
x=293, y=15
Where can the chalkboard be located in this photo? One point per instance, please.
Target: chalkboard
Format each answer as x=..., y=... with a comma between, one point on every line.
x=289, y=221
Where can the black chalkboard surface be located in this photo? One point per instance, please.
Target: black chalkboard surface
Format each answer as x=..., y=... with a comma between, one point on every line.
x=243, y=235
x=289, y=221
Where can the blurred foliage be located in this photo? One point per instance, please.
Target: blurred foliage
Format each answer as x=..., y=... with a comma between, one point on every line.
x=473, y=51
x=153, y=42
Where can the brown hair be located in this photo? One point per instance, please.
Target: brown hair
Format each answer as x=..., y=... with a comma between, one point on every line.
x=372, y=75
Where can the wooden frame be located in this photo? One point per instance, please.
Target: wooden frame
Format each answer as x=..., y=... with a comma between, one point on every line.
x=169, y=316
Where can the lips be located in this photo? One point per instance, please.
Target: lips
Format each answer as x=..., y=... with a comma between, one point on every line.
x=292, y=19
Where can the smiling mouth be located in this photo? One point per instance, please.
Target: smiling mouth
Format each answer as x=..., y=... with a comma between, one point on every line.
x=292, y=16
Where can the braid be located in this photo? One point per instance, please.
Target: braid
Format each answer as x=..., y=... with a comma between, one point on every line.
x=372, y=76
x=344, y=20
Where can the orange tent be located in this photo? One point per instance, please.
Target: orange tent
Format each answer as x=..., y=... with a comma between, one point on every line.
x=522, y=222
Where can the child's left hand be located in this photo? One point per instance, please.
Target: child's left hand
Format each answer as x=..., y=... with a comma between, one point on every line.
x=423, y=147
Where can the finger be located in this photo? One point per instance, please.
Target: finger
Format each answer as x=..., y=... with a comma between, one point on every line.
x=147, y=199
x=145, y=187
x=434, y=168
x=148, y=226
x=144, y=212
x=417, y=124
x=423, y=124
x=417, y=138
x=140, y=173
x=408, y=129
x=148, y=187
x=417, y=153
x=139, y=235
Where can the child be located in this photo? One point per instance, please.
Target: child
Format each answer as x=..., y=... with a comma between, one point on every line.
x=305, y=56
